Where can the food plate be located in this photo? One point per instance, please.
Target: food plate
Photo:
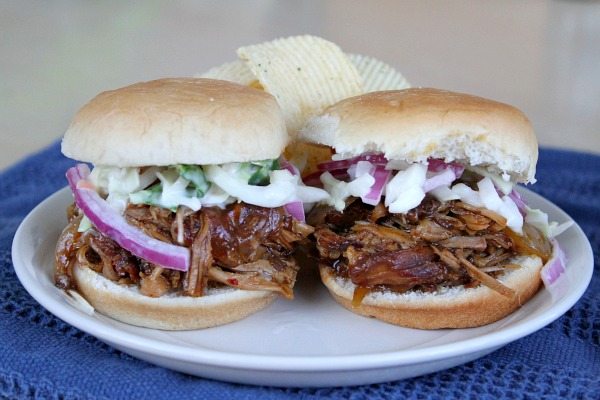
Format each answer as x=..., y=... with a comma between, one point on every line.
x=310, y=341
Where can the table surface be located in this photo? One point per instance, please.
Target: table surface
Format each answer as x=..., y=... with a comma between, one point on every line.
x=541, y=56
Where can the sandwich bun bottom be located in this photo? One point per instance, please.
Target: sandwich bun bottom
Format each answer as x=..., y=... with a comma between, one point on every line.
x=454, y=307
x=170, y=312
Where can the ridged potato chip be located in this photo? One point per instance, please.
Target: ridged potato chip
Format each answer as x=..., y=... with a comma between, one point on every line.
x=377, y=75
x=304, y=73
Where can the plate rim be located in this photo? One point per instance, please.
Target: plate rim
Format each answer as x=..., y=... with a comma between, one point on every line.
x=335, y=363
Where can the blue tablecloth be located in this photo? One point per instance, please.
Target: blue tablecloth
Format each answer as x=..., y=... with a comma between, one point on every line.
x=42, y=357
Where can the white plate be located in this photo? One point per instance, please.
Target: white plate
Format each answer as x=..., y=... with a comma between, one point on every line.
x=310, y=341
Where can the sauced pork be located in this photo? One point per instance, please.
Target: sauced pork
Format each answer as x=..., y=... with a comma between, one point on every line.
x=437, y=243
x=243, y=246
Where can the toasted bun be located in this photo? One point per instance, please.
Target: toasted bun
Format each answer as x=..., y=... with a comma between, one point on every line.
x=451, y=308
x=415, y=124
x=126, y=304
x=177, y=121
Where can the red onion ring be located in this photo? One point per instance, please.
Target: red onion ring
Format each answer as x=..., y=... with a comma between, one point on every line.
x=555, y=267
x=112, y=224
x=294, y=208
x=381, y=176
x=516, y=197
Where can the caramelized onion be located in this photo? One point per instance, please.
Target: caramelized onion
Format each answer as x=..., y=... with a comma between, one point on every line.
x=360, y=292
x=379, y=211
x=531, y=243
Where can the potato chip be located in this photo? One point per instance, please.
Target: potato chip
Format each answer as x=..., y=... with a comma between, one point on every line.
x=236, y=71
x=377, y=75
x=304, y=73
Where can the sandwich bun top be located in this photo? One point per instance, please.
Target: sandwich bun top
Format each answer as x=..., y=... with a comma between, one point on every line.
x=177, y=121
x=419, y=123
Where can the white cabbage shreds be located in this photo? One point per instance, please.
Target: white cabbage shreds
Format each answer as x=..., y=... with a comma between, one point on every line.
x=467, y=195
x=116, y=183
x=216, y=197
x=539, y=219
x=405, y=191
x=305, y=194
x=115, y=179
x=504, y=206
x=196, y=186
x=411, y=182
x=283, y=188
x=339, y=191
x=487, y=196
x=174, y=191
x=444, y=193
x=502, y=182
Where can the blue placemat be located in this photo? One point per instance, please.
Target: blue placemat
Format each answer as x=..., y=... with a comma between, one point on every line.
x=42, y=357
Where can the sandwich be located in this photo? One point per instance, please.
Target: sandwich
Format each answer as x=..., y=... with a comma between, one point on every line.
x=423, y=227
x=189, y=217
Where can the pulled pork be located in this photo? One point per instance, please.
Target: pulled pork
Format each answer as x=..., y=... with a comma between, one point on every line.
x=242, y=246
x=437, y=243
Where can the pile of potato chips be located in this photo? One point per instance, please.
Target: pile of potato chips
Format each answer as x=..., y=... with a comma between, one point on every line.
x=306, y=74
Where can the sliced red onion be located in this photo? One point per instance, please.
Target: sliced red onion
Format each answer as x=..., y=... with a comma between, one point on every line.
x=444, y=178
x=555, y=267
x=516, y=197
x=377, y=159
x=76, y=174
x=339, y=168
x=109, y=222
x=285, y=164
x=381, y=176
x=458, y=169
x=437, y=165
x=296, y=210
x=554, y=275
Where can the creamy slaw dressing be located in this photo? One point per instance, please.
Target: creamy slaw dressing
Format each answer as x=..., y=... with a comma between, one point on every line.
x=167, y=187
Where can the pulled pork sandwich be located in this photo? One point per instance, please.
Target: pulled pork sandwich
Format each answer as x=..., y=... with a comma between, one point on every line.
x=189, y=217
x=423, y=227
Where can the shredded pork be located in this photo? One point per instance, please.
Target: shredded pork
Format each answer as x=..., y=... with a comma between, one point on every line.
x=437, y=243
x=242, y=246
